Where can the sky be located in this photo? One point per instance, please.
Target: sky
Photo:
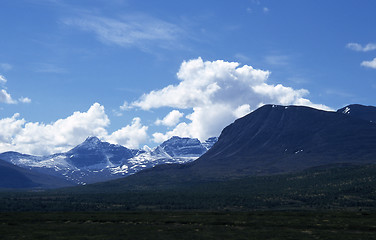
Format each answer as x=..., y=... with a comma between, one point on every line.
x=136, y=73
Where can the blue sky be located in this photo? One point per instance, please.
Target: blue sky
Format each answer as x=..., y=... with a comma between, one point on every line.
x=138, y=72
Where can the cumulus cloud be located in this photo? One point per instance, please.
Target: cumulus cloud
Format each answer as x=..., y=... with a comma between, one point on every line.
x=39, y=138
x=130, y=135
x=370, y=64
x=171, y=119
x=6, y=97
x=218, y=92
x=130, y=31
x=358, y=47
x=9, y=127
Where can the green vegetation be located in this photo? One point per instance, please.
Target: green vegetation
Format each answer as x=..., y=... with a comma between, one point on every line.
x=188, y=225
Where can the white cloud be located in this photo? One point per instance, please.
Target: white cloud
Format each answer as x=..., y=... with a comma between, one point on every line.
x=117, y=113
x=171, y=119
x=265, y=9
x=2, y=79
x=130, y=31
x=242, y=110
x=59, y=136
x=131, y=135
x=358, y=47
x=9, y=127
x=122, y=108
x=6, y=98
x=218, y=92
x=24, y=100
x=370, y=64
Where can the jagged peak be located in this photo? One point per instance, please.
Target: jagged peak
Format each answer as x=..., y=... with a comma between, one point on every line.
x=92, y=139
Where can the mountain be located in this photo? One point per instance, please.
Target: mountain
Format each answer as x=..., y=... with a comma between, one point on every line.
x=96, y=161
x=278, y=139
x=271, y=140
x=15, y=177
x=367, y=113
x=95, y=154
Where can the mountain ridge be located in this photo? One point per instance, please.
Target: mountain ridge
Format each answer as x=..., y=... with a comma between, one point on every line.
x=94, y=160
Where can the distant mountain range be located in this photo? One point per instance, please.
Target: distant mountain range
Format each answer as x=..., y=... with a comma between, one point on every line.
x=96, y=161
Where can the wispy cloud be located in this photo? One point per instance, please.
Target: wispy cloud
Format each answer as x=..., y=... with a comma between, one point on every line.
x=339, y=93
x=242, y=57
x=277, y=60
x=122, y=108
x=370, y=64
x=24, y=100
x=49, y=68
x=2, y=79
x=125, y=106
x=358, y=47
x=140, y=31
x=6, y=66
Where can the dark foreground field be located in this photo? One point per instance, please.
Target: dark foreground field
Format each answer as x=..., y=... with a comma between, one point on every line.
x=189, y=225
x=324, y=203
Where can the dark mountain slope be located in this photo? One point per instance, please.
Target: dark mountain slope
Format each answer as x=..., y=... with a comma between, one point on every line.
x=13, y=177
x=276, y=139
